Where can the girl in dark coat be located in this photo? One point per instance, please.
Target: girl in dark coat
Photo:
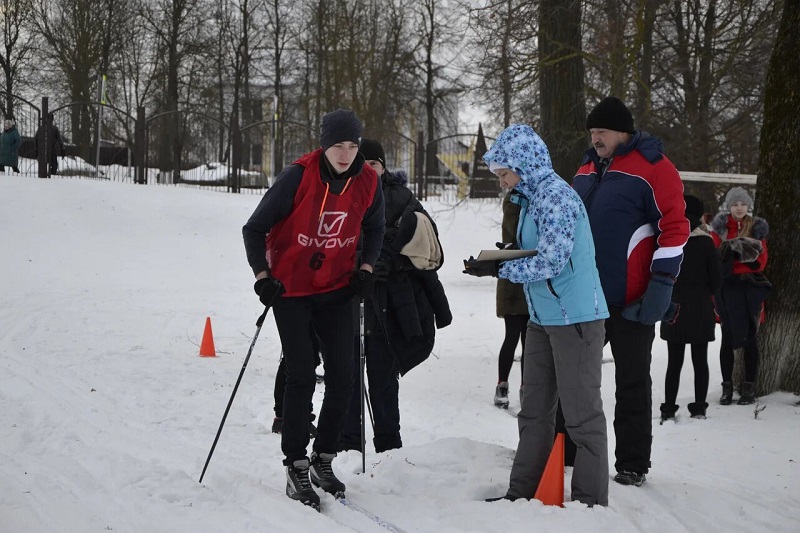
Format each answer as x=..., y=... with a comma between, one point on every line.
x=697, y=283
x=511, y=307
x=742, y=248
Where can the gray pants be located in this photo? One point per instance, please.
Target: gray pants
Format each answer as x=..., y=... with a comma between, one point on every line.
x=565, y=362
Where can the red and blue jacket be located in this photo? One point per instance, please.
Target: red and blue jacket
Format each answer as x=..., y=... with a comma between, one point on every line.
x=637, y=215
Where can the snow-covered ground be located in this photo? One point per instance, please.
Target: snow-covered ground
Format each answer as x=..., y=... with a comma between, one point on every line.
x=107, y=412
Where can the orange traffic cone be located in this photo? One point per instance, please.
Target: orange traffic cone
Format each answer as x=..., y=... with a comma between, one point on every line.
x=551, y=486
x=207, y=346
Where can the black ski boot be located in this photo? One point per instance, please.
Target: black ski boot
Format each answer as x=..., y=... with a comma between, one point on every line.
x=748, y=395
x=322, y=475
x=298, y=486
x=727, y=393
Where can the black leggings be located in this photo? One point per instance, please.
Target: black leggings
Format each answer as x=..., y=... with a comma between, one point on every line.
x=516, y=325
x=750, y=358
x=675, y=352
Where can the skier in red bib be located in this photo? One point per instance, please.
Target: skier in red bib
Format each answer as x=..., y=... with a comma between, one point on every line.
x=303, y=238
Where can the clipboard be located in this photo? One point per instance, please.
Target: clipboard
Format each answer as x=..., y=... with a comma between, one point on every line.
x=504, y=255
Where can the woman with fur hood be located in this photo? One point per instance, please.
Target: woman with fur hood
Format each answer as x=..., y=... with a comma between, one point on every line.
x=742, y=248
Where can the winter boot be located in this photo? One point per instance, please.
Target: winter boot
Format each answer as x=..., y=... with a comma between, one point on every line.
x=501, y=395
x=748, y=395
x=698, y=409
x=727, y=393
x=298, y=486
x=322, y=475
x=628, y=477
x=668, y=412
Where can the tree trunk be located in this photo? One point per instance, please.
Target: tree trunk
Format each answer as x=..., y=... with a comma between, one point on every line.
x=777, y=200
x=563, y=108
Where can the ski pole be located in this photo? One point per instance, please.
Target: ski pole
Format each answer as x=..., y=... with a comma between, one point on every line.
x=363, y=360
x=259, y=323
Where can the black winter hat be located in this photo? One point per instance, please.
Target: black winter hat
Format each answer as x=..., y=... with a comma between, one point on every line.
x=694, y=206
x=372, y=150
x=339, y=126
x=611, y=114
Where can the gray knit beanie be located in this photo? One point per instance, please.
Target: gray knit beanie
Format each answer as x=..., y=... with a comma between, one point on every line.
x=737, y=194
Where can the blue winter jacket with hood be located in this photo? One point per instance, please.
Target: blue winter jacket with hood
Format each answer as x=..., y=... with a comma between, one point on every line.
x=562, y=285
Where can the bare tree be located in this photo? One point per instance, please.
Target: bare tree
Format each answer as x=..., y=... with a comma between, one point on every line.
x=777, y=200
x=80, y=38
x=505, y=51
x=438, y=27
x=17, y=46
x=177, y=28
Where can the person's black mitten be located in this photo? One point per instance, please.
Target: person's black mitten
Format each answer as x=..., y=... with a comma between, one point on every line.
x=268, y=290
x=506, y=245
x=473, y=267
x=382, y=270
x=362, y=282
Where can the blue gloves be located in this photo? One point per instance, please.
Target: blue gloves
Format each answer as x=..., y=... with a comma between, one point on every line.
x=655, y=304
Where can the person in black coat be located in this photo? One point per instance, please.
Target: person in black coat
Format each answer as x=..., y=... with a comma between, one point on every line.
x=55, y=144
x=699, y=279
x=407, y=305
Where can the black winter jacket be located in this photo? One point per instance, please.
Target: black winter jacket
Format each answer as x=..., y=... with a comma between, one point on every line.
x=697, y=283
x=408, y=306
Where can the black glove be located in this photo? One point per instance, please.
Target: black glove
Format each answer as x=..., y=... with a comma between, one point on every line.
x=268, y=290
x=382, y=270
x=507, y=245
x=473, y=267
x=362, y=283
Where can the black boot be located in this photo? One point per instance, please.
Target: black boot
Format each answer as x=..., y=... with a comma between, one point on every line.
x=668, y=412
x=748, y=395
x=727, y=393
x=698, y=409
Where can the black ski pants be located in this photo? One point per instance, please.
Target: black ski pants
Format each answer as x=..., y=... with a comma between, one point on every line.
x=631, y=346
x=383, y=375
x=332, y=316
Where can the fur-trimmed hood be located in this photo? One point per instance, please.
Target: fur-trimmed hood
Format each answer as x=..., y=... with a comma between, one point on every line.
x=724, y=221
x=398, y=177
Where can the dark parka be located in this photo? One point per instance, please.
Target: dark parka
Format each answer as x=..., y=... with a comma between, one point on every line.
x=699, y=280
x=9, y=147
x=510, y=296
x=410, y=304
